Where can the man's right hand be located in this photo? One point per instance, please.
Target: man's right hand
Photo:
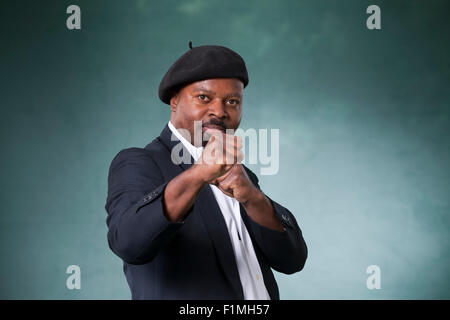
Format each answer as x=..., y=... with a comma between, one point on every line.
x=219, y=156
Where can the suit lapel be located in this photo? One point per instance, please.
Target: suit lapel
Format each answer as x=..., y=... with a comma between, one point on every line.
x=170, y=141
x=218, y=232
x=214, y=222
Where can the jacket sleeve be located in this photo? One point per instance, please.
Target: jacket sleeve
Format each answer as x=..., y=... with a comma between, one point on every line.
x=137, y=226
x=285, y=251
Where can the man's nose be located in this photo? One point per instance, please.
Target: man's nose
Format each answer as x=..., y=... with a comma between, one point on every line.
x=217, y=108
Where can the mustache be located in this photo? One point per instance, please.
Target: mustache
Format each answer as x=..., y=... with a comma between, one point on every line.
x=215, y=122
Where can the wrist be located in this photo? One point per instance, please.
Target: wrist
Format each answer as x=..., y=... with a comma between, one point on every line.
x=198, y=174
x=255, y=197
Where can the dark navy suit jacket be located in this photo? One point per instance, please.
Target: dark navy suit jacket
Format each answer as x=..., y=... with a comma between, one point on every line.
x=193, y=259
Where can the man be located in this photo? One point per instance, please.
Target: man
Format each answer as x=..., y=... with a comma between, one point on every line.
x=200, y=229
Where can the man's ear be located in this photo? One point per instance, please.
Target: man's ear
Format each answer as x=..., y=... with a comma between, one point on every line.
x=174, y=102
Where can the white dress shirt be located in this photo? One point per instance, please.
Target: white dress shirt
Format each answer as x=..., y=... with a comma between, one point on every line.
x=247, y=264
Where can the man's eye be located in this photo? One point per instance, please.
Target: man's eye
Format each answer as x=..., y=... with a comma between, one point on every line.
x=202, y=97
x=233, y=101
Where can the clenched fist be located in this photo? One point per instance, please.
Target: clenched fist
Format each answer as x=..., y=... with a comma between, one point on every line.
x=236, y=183
x=219, y=156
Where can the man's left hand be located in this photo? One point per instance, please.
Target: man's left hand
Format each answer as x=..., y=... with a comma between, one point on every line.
x=236, y=183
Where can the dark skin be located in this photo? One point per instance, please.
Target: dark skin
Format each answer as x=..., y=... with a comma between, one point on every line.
x=218, y=104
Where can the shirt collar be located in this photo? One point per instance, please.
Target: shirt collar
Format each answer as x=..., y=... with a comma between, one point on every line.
x=193, y=150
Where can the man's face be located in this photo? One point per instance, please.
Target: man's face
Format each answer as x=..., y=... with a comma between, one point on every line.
x=215, y=102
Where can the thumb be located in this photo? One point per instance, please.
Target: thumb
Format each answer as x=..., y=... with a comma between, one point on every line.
x=224, y=176
x=210, y=133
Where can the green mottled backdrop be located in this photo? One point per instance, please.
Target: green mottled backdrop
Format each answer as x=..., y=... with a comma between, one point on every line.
x=363, y=118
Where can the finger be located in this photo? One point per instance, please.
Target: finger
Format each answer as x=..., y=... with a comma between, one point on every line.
x=228, y=192
x=240, y=157
x=213, y=132
x=239, y=142
x=232, y=142
x=210, y=133
x=224, y=176
x=225, y=148
x=232, y=148
x=233, y=156
x=232, y=145
x=210, y=141
x=228, y=184
x=228, y=139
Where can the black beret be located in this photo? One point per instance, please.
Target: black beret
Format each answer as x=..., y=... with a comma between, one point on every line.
x=201, y=63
